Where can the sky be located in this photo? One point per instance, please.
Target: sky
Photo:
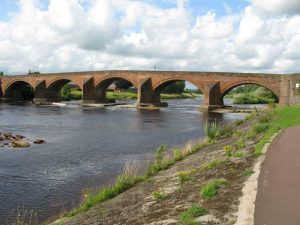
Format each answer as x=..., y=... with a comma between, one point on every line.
x=191, y=35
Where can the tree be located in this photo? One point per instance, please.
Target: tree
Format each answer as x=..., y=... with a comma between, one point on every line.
x=175, y=87
x=33, y=72
x=123, y=84
x=2, y=74
x=66, y=92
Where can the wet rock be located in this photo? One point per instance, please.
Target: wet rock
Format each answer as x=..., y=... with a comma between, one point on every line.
x=19, y=137
x=8, y=136
x=19, y=144
x=39, y=141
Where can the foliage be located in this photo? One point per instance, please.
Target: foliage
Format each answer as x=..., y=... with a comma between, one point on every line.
x=66, y=92
x=123, y=84
x=259, y=96
x=210, y=189
x=2, y=74
x=174, y=87
x=189, y=215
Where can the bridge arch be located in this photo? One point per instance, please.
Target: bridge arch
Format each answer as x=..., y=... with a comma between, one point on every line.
x=157, y=89
x=102, y=86
x=55, y=87
x=231, y=86
x=19, y=90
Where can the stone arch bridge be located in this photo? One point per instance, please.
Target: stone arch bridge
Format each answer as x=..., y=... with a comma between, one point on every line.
x=149, y=84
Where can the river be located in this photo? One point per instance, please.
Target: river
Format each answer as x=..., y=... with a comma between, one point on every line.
x=86, y=147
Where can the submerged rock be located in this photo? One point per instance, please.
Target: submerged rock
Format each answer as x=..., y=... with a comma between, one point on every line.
x=39, y=141
x=19, y=144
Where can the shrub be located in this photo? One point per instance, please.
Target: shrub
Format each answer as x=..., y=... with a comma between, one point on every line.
x=189, y=215
x=210, y=189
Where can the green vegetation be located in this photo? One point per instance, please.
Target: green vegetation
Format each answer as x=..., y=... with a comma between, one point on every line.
x=189, y=215
x=282, y=117
x=228, y=149
x=184, y=176
x=175, y=87
x=210, y=189
x=213, y=131
x=214, y=164
x=2, y=74
x=177, y=154
x=122, y=183
x=240, y=144
x=248, y=172
x=159, y=195
x=252, y=94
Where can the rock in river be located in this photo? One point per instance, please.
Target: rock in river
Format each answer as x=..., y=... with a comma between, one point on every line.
x=39, y=141
x=19, y=144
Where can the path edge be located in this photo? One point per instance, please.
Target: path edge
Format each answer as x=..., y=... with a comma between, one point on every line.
x=245, y=214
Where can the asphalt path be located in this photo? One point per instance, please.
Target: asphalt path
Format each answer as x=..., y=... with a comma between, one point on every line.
x=278, y=194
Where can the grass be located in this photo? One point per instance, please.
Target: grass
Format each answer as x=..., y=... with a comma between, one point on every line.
x=248, y=173
x=213, y=164
x=159, y=195
x=184, y=176
x=189, y=215
x=210, y=189
x=213, y=131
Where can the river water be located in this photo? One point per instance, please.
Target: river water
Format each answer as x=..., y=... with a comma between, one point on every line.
x=86, y=147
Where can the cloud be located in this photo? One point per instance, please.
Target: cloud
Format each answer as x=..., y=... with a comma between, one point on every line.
x=75, y=35
x=289, y=7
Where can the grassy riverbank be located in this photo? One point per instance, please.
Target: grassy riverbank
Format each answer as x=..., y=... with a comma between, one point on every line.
x=129, y=95
x=183, y=185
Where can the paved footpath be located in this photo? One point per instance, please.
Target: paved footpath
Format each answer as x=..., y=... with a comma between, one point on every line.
x=278, y=195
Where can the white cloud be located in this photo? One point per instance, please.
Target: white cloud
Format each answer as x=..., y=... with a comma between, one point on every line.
x=131, y=34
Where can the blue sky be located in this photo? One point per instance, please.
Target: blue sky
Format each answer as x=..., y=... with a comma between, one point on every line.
x=198, y=7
